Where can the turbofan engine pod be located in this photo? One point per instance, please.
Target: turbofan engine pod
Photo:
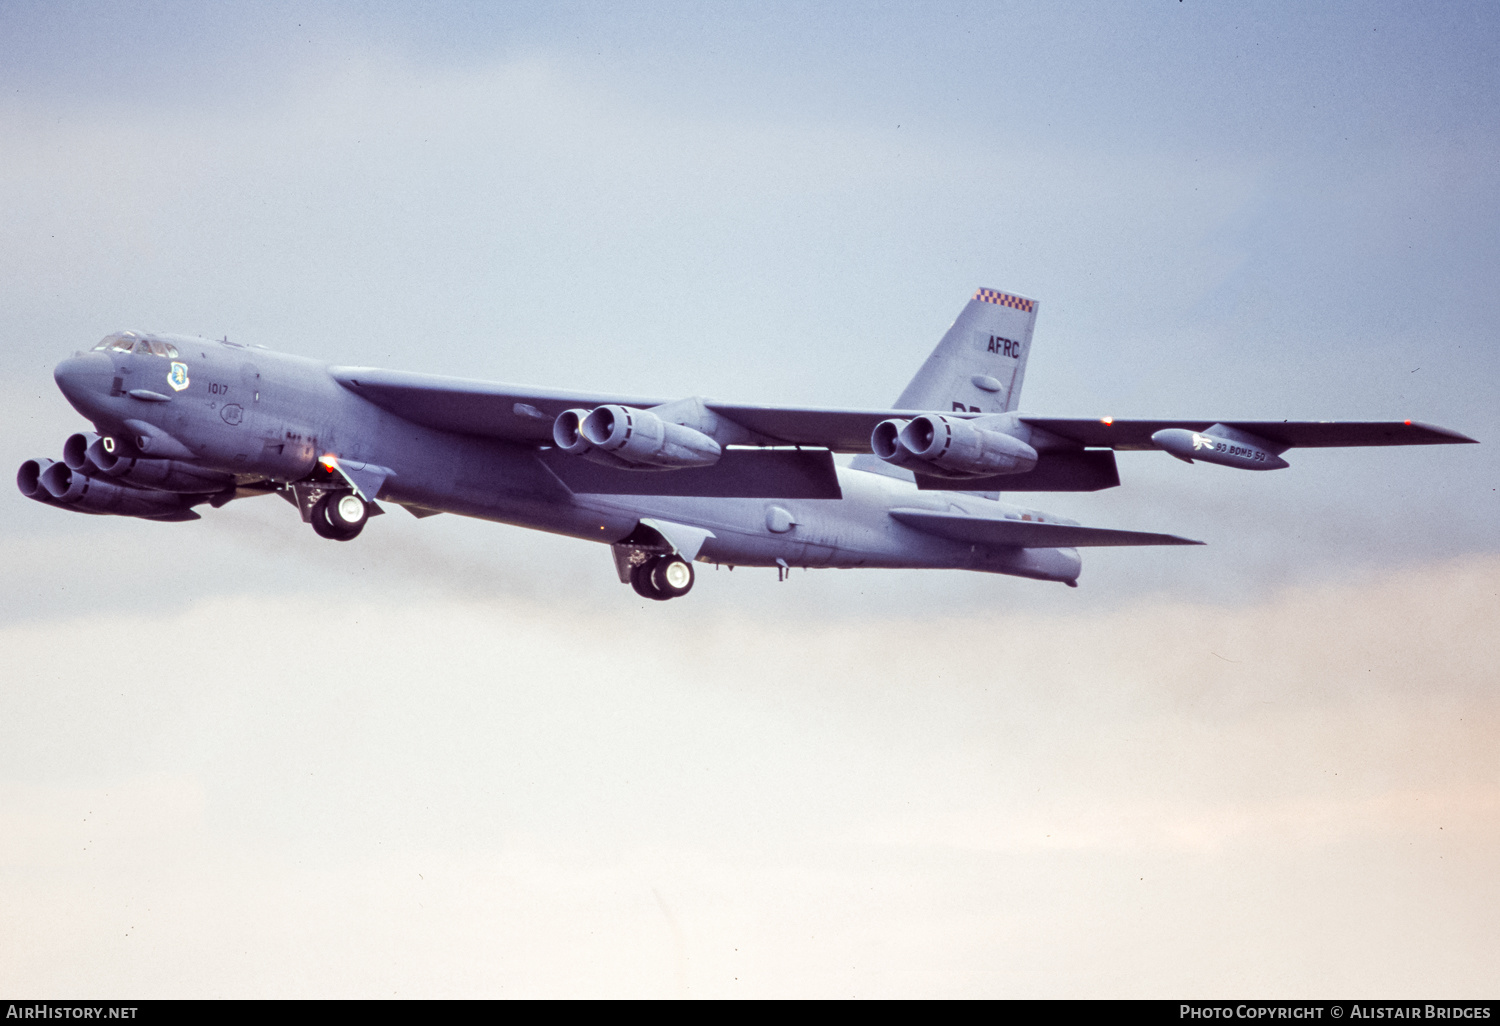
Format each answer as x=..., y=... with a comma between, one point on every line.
x=642, y=440
x=950, y=447
x=1226, y=446
x=68, y=487
x=158, y=475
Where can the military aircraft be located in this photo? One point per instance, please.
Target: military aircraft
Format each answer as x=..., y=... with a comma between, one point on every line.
x=181, y=421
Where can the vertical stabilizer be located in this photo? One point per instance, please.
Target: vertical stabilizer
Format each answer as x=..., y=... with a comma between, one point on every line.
x=980, y=363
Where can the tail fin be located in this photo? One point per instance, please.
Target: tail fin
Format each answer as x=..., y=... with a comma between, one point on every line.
x=980, y=363
x=977, y=367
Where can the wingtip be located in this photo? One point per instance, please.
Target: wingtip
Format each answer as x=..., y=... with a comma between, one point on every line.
x=1450, y=437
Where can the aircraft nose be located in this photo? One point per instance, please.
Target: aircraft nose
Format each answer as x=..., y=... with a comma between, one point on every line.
x=84, y=378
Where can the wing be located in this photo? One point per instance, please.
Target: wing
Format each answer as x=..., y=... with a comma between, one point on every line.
x=1108, y=432
x=1025, y=534
x=523, y=413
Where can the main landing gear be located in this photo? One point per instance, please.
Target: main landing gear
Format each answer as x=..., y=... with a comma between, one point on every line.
x=339, y=515
x=662, y=578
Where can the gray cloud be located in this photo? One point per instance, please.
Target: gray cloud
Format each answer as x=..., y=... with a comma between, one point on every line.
x=327, y=795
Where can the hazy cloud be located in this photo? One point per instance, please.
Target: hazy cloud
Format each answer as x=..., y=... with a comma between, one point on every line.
x=365, y=797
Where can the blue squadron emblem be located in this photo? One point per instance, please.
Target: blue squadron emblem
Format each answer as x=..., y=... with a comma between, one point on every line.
x=177, y=377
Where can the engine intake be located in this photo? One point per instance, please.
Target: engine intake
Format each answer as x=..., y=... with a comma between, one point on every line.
x=950, y=447
x=76, y=450
x=29, y=480
x=566, y=434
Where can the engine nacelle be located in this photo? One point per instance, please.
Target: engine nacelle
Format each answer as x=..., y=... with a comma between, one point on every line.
x=68, y=487
x=566, y=433
x=637, y=439
x=29, y=480
x=76, y=450
x=158, y=475
x=950, y=447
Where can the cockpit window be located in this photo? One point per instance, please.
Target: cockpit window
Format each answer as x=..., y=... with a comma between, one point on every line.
x=129, y=341
x=119, y=342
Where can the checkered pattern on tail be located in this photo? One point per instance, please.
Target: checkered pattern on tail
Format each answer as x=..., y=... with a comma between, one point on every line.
x=1005, y=299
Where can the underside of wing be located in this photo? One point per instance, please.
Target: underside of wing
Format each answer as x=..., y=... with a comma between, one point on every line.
x=1065, y=470
x=1026, y=534
x=1301, y=434
x=739, y=474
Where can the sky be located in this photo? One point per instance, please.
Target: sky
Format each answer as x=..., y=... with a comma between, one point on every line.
x=457, y=758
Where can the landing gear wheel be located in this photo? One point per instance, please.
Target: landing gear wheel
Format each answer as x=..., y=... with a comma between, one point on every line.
x=640, y=580
x=671, y=576
x=347, y=512
x=339, y=516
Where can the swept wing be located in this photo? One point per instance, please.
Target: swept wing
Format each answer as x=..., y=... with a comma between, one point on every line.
x=1026, y=534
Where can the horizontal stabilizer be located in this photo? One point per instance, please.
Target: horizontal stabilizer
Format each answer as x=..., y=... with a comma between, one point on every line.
x=1026, y=534
x=1289, y=434
x=1067, y=470
x=739, y=474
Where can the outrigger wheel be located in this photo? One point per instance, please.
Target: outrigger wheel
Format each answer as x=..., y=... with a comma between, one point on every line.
x=340, y=516
x=662, y=578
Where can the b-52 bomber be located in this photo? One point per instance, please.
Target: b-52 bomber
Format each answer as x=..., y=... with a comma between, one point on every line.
x=181, y=422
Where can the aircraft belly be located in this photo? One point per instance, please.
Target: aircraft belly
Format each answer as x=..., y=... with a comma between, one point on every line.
x=850, y=532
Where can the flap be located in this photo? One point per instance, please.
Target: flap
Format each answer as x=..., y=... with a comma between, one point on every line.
x=1026, y=534
x=1065, y=470
x=739, y=474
